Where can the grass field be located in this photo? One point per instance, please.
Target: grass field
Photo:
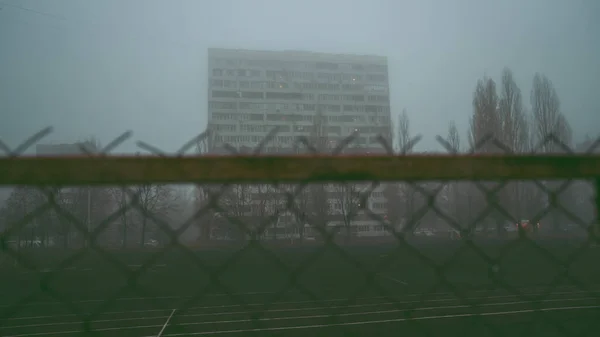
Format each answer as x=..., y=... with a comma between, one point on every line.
x=496, y=288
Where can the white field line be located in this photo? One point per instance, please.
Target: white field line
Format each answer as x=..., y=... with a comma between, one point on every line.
x=36, y=304
x=382, y=321
x=332, y=300
x=364, y=305
x=254, y=293
x=300, y=318
x=228, y=313
x=166, y=324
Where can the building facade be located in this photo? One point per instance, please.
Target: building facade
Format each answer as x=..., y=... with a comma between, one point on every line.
x=251, y=93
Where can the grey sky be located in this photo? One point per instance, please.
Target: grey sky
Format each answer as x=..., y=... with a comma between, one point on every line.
x=99, y=68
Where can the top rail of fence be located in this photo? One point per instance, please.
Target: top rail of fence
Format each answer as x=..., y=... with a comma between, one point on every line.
x=102, y=170
x=488, y=159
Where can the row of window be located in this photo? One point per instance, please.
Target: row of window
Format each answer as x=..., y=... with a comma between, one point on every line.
x=286, y=140
x=299, y=107
x=281, y=95
x=300, y=65
x=286, y=150
x=220, y=116
x=299, y=128
x=290, y=75
x=231, y=84
x=286, y=107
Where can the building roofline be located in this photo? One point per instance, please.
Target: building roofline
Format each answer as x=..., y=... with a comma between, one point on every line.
x=300, y=54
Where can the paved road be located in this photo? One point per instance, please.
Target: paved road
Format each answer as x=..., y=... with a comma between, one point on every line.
x=443, y=314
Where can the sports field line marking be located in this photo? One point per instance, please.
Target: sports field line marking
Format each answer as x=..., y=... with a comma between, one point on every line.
x=297, y=318
x=119, y=313
x=393, y=279
x=160, y=333
x=381, y=321
x=144, y=298
x=331, y=300
x=229, y=313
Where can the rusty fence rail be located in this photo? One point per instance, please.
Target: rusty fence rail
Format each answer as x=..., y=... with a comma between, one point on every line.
x=310, y=277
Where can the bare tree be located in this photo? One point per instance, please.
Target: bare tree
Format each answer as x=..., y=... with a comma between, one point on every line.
x=405, y=190
x=154, y=202
x=453, y=137
x=485, y=122
x=344, y=199
x=513, y=134
x=318, y=203
x=510, y=114
x=403, y=135
x=549, y=121
x=121, y=198
x=455, y=189
x=206, y=217
x=545, y=107
x=265, y=206
x=345, y=204
x=20, y=203
x=236, y=204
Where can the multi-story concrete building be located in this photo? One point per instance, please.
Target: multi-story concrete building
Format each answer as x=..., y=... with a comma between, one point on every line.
x=252, y=92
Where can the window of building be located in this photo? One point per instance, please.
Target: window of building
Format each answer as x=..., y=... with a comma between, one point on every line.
x=252, y=94
x=308, y=107
x=377, y=77
x=377, y=108
x=326, y=65
x=252, y=106
x=378, y=98
x=379, y=88
x=335, y=129
x=303, y=128
x=222, y=105
x=229, y=84
x=332, y=108
x=224, y=127
x=256, y=117
x=284, y=95
x=225, y=94
x=351, y=77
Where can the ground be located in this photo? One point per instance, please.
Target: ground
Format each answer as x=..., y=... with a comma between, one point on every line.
x=521, y=288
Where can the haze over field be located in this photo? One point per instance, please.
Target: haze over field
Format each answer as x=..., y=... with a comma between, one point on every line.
x=98, y=68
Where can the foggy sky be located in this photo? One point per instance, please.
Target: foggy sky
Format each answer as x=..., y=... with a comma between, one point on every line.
x=99, y=68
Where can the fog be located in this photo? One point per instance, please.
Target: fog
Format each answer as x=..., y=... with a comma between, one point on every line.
x=99, y=68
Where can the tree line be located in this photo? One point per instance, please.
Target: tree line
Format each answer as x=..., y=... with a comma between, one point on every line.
x=501, y=122
x=119, y=216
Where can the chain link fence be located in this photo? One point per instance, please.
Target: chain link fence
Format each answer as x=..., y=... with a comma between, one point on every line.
x=497, y=244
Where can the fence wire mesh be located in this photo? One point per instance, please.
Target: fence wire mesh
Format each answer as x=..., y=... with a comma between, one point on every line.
x=483, y=244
